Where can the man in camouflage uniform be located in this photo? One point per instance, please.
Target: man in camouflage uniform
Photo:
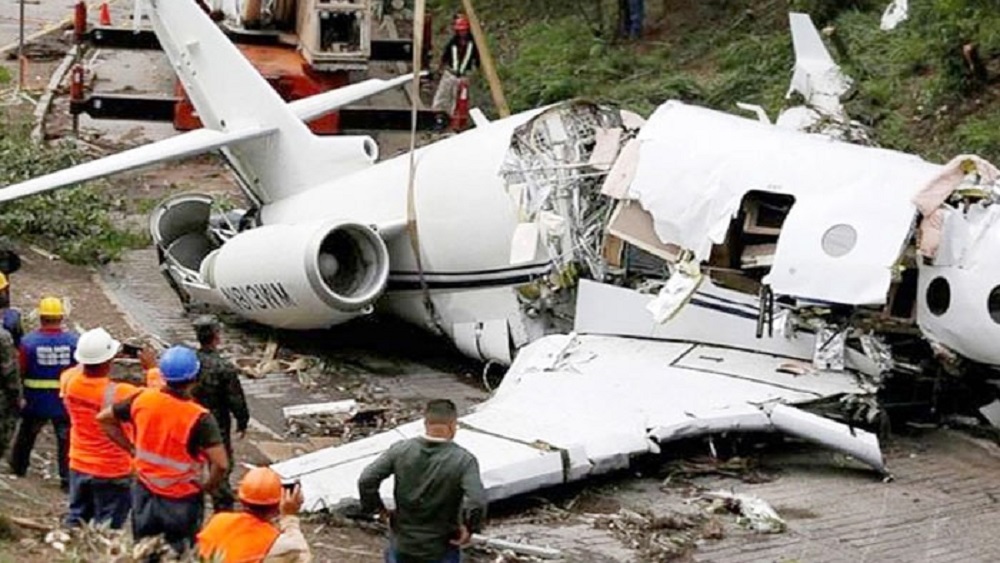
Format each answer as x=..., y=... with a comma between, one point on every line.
x=219, y=391
x=10, y=383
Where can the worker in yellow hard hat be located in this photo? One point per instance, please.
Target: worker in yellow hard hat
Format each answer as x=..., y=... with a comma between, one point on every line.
x=10, y=317
x=252, y=534
x=44, y=354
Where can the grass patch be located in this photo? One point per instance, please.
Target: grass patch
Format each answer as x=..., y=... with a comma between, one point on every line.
x=912, y=84
x=76, y=223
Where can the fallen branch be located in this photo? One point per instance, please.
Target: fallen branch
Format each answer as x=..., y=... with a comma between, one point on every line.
x=519, y=548
x=30, y=524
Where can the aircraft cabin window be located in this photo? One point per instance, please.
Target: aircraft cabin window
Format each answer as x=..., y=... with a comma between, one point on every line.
x=838, y=240
x=993, y=304
x=939, y=296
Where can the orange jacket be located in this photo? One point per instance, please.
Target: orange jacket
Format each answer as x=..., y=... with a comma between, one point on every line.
x=154, y=379
x=238, y=537
x=90, y=450
x=163, y=424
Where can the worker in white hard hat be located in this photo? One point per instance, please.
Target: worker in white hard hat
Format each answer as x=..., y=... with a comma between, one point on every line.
x=44, y=354
x=99, y=471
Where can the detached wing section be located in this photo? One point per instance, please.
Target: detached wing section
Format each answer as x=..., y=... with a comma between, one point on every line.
x=572, y=407
x=187, y=144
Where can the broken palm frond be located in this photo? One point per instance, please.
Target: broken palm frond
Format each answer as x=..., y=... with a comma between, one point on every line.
x=744, y=469
x=754, y=513
x=656, y=538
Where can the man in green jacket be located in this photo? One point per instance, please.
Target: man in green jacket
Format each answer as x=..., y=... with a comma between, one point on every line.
x=435, y=479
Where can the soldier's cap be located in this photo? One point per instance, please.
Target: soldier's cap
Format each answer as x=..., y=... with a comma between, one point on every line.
x=206, y=321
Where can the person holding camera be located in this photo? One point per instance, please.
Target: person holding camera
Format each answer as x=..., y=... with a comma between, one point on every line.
x=44, y=354
x=99, y=471
x=252, y=533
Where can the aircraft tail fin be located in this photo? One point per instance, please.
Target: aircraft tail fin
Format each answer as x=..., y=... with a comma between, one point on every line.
x=229, y=94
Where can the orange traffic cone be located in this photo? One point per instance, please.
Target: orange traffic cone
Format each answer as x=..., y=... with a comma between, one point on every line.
x=105, y=14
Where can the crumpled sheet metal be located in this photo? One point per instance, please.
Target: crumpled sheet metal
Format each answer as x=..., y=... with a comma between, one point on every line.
x=696, y=165
x=817, y=77
x=570, y=407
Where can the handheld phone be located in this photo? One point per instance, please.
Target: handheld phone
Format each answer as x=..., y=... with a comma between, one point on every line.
x=289, y=485
x=131, y=350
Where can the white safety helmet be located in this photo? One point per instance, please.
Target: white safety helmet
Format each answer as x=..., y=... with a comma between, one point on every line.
x=96, y=347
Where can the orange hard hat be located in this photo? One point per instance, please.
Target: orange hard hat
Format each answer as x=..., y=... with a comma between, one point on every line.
x=461, y=23
x=261, y=486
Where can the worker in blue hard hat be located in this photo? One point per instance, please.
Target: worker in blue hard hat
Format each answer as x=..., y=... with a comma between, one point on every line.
x=174, y=438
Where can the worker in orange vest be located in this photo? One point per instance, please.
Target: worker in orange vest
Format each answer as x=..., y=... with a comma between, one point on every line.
x=175, y=438
x=251, y=536
x=99, y=471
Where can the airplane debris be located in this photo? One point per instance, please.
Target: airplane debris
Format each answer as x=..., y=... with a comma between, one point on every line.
x=487, y=542
x=348, y=406
x=895, y=13
x=755, y=513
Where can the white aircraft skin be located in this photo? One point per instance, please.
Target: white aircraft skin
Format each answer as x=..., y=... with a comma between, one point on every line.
x=328, y=241
x=312, y=189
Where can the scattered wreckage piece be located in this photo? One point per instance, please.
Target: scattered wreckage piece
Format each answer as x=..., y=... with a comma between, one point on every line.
x=575, y=406
x=895, y=13
x=755, y=513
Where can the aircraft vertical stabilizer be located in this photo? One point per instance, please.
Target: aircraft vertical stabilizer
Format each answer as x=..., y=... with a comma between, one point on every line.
x=229, y=94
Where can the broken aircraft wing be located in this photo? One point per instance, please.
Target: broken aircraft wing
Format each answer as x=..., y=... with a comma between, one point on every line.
x=574, y=406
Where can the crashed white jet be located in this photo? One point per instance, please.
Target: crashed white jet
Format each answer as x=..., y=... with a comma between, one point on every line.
x=738, y=252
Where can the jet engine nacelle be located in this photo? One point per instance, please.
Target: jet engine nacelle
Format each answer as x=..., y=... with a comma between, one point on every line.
x=305, y=276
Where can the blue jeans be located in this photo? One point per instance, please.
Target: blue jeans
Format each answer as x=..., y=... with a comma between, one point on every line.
x=179, y=520
x=637, y=13
x=100, y=500
x=454, y=555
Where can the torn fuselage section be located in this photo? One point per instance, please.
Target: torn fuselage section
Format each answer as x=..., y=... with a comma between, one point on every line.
x=554, y=171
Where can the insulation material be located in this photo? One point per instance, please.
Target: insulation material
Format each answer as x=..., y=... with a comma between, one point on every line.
x=634, y=225
x=936, y=191
x=572, y=407
x=696, y=165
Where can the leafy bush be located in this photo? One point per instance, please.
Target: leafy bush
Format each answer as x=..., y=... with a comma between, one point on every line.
x=76, y=223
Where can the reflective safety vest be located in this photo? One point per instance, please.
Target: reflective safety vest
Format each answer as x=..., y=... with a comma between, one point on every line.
x=90, y=450
x=460, y=63
x=154, y=379
x=237, y=537
x=163, y=425
x=47, y=353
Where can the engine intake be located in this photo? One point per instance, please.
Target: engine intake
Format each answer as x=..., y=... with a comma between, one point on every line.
x=300, y=276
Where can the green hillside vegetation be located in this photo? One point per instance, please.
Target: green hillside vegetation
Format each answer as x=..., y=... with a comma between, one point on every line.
x=912, y=84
